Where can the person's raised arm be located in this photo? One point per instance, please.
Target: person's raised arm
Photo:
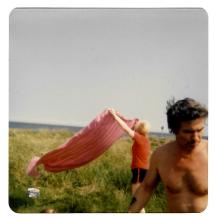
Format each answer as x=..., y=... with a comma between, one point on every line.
x=146, y=189
x=123, y=125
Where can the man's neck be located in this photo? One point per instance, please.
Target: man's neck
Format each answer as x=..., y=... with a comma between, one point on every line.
x=184, y=151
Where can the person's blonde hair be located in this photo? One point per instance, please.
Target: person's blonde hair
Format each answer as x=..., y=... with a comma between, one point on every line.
x=143, y=127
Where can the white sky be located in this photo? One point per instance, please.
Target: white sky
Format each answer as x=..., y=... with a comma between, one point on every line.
x=67, y=65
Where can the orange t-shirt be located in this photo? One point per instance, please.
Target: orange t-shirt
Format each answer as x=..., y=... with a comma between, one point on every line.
x=140, y=151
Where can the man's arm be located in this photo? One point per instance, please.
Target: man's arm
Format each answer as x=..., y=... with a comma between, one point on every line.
x=144, y=192
x=123, y=125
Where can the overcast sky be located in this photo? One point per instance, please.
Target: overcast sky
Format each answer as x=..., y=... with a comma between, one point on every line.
x=67, y=65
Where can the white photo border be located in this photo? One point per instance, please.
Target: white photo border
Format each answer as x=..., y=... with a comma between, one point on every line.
x=7, y=7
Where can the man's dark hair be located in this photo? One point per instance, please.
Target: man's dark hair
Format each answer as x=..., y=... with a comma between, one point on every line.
x=183, y=110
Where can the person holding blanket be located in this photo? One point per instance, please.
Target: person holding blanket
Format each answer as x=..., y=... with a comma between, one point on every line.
x=141, y=149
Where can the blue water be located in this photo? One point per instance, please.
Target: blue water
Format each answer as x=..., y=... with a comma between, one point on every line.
x=37, y=126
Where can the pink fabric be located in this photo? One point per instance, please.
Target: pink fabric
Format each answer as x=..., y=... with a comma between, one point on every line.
x=83, y=147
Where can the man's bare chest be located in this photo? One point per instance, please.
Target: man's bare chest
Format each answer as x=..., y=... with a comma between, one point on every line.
x=185, y=175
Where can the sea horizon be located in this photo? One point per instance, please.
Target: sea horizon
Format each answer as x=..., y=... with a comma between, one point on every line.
x=73, y=128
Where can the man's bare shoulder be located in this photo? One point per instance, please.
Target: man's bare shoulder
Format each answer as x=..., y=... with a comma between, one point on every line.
x=164, y=149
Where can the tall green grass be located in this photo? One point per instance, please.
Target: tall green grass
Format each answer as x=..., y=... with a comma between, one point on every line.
x=103, y=185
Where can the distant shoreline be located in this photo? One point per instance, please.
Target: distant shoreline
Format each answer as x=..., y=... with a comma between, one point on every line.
x=37, y=126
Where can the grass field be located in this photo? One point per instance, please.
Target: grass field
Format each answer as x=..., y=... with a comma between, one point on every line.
x=100, y=186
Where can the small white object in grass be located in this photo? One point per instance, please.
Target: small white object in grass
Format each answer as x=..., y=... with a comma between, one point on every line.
x=33, y=192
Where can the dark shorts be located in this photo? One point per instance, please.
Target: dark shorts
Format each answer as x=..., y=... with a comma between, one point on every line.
x=138, y=175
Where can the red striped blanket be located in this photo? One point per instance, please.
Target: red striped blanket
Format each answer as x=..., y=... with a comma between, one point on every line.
x=86, y=145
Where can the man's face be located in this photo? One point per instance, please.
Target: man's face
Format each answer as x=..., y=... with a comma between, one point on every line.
x=190, y=133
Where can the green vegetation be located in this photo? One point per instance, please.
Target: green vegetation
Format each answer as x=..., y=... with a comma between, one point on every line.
x=100, y=186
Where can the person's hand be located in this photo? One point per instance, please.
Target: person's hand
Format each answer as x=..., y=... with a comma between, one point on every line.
x=112, y=111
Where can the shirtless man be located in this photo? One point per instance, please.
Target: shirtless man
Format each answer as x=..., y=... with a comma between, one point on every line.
x=182, y=164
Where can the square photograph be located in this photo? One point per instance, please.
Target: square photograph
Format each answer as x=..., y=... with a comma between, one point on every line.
x=108, y=110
